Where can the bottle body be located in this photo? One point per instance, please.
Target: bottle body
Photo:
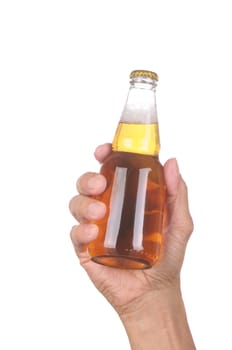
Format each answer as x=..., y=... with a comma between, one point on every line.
x=131, y=233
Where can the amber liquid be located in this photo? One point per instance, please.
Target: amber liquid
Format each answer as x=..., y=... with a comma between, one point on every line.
x=131, y=233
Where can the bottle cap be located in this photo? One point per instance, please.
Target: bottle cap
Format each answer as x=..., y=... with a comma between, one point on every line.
x=144, y=74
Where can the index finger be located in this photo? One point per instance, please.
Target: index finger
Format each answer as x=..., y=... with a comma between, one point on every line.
x=102, y=152
x=93, y=183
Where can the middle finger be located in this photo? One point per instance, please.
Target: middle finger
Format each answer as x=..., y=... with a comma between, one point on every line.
x=85, y=209
x=91, y=184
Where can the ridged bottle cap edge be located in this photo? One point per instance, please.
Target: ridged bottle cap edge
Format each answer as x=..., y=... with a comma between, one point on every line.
x=145, y=74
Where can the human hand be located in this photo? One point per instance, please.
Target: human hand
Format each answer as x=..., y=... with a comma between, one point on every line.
x=126, y=289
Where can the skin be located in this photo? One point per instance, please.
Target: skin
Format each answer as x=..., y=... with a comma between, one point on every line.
x=149, y=302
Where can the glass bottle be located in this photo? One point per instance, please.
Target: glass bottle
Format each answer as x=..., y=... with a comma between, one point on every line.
x=131, y=233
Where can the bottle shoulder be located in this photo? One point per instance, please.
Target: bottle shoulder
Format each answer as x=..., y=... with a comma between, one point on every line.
x=133, y=162
x=132, y=158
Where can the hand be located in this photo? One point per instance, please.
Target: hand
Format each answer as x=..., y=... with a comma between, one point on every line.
x=127, y=289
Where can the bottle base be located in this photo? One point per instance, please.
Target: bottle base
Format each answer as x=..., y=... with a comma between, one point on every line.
x=122, y=262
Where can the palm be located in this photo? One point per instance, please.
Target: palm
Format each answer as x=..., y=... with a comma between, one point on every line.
x=121, y=287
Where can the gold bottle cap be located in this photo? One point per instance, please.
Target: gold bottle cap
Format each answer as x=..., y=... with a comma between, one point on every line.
x=145, y=74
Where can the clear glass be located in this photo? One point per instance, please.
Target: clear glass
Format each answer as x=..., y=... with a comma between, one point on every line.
x=140, y=106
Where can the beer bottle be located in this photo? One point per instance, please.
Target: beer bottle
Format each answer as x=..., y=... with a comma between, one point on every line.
x=131, y=233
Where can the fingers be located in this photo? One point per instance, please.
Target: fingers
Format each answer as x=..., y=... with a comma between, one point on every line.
x=102, y=152
x=91, y=184
x=86, y=209
x=81, y=236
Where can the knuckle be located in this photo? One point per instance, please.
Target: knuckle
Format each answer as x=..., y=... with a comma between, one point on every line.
x=79, y=183
x=190, y=225
x=77, y=207
x=74, y=230
x=187, y=228
x=70, y=204
x=184, y=185
x=74, y=234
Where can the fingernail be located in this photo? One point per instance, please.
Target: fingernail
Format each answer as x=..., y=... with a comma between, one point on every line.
x=96, y=210
x=94, y=182
x=91, y=229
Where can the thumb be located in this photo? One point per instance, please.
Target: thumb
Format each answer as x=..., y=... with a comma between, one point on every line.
x=180, y=224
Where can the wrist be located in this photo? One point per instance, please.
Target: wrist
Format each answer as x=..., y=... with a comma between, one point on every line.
x=158, y=318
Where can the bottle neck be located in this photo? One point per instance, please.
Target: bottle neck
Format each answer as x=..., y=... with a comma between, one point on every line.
x=140, y=107
x=138, y=128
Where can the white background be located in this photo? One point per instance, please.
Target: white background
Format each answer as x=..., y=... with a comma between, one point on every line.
x=64, y=69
